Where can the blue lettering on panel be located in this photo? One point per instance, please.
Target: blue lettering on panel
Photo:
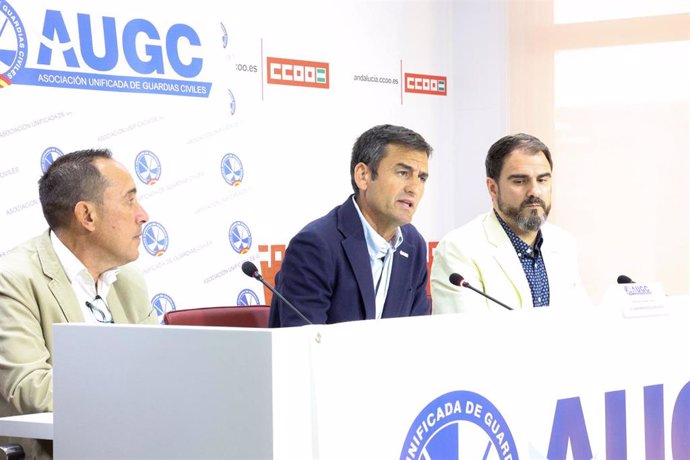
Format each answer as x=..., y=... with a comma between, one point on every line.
x=54, y=25
x=654, y=421
x=616, y=426
x=83, y=55
x=109, y=59
x=569, y=425
x=153, y=52
x=172, y=41
x=680, y=424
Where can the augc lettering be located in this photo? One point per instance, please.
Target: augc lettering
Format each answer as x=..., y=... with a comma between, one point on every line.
x=569, y=426
x=152, y=60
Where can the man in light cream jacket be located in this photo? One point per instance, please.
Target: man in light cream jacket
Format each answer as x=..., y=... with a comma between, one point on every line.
x=74, y=272
x=510, y=253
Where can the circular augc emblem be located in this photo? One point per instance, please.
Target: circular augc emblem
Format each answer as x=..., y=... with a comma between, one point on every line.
x=240, y=237
x=148, y=167
x=233, y=102
x=49, y=155
x=13, y=46
x=459, y=425
x=224, y=37
x=162, y=303
x=155, y=239
x=247, y=297
x=232, y=169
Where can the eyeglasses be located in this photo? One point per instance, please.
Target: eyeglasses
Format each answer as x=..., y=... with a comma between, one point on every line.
x=100, y=310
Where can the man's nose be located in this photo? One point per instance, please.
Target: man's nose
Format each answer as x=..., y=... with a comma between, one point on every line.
x=142, y=216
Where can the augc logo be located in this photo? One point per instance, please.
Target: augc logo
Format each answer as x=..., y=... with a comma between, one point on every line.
x=162, y=303
x=459, y=425
x=155, y=239
x=240, y=237
x=49, y=156
x=148, y=167
x=247, y=297
x=232, y=170
x=80, y=51
x=12, y=44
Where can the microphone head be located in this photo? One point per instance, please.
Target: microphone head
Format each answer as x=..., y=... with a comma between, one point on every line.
x=456, y=279
x=622, y=279
x=250, y=269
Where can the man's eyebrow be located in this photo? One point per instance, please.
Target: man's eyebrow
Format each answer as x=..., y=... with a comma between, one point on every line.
x=518, y=176
x=132, y=191
x=527, y=176
x=404, y=166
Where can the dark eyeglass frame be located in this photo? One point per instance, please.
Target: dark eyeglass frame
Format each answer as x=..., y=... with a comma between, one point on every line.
x=100, y=310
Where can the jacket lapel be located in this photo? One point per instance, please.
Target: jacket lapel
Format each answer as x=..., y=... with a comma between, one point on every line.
x=115, y=306
x=400, y=280
x=58, y=283
x=506, y=258
x=355, y=247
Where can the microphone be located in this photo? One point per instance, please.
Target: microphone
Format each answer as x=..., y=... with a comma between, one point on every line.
x=622, y=279
x=251, y=271
x=458, y=280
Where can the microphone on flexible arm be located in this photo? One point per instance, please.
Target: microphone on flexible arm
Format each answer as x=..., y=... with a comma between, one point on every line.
x=623, y=279
x=458, y=280
x=250, y=270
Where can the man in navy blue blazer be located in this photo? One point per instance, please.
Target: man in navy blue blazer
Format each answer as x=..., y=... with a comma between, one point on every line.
x=363, y=260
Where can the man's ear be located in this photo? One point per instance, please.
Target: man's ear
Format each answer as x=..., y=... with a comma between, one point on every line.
x=86, y=214
x=492, y=187
x=362, y=175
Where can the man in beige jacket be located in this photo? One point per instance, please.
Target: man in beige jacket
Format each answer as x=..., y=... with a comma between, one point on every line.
x=510, y=253
x=74, y=272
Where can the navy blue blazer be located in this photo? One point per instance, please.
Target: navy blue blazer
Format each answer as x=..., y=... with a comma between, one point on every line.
x=326, y=274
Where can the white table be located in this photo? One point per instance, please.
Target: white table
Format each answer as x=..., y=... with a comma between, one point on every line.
x=36, y=426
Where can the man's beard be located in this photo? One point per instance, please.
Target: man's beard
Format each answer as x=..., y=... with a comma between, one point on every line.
x=527, y=222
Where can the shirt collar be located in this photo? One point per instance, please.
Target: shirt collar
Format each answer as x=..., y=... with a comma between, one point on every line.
x=520, y=246
x=76, y=271
x=376, y=244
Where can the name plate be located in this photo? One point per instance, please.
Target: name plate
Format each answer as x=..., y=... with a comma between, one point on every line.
x=637, y=299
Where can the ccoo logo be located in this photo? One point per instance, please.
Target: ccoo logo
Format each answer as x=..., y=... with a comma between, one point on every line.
x=148, y=167
x=247, y=297
x=426, y=84
x=240, y=237
x=49, y=156
x=458, y=425
x=155, y=239
x=162, y=303
x=295, y=72
x=232, y=170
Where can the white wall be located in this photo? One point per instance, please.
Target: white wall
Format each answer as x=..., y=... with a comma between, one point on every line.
x=294, y=143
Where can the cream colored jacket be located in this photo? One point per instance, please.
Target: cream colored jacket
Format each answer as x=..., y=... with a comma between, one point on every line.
x=482, y=253
x=35, y=294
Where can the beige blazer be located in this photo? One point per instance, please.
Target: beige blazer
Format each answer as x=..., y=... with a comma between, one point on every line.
x=482, y=253
x=35, y=294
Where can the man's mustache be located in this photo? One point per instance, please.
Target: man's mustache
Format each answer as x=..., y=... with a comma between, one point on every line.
x=533, y=200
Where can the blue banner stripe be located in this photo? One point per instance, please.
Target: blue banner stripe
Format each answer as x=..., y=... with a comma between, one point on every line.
x=117, y=83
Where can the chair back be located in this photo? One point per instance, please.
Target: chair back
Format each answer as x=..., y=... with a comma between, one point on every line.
x=235, y=316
